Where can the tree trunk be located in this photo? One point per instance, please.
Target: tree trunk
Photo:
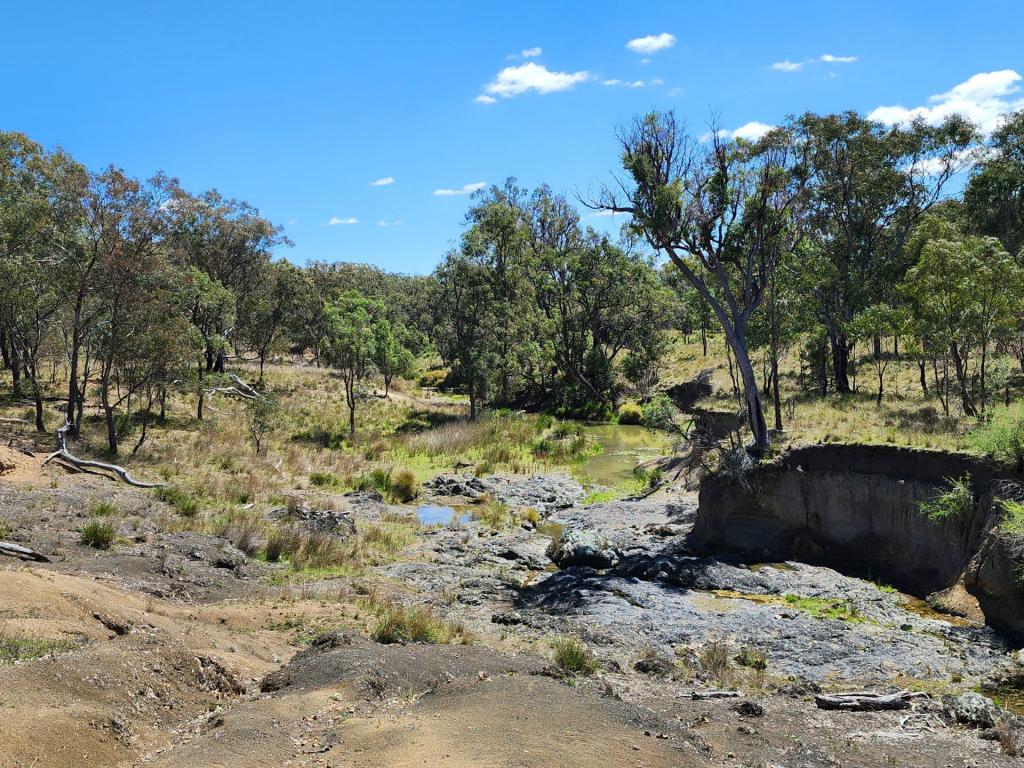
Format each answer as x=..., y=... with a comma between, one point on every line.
x=777, y=402
x=840, y=348
x=752, y=396
x=108, y=413
x=15, y=369
x=961, y=377
x=924, y=379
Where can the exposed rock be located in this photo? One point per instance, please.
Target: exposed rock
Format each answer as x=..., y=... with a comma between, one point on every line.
x=971, y=709
x=544, y=493
x=335, y=522
x=582, y=548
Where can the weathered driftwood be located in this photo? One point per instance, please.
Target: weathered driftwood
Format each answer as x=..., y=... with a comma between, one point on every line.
x=240, y=389
x=866, y=701
x=23, y=553
x=85, y=465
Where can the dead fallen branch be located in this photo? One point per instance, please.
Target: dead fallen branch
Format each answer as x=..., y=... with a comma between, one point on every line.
x=22, y=553
x=95, y=467
x=702, y=695
x=239, y=389
x=866, y=701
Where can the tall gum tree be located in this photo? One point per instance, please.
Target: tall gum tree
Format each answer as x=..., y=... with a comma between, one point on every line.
x=723, y=212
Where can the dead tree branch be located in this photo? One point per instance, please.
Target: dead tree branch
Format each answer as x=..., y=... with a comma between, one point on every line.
x=85, y=465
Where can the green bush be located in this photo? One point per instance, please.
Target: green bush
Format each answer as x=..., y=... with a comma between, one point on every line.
x=186, y=504
x=404, y=487
x=573, y=657
x=1012, y=521
x=435, y=377
x=957, y=502
x=659, y=414
x=374, y=480
x=1002, y=436
x=98, y=535
x=630, y=413
x=752, y=658
x=324, y=479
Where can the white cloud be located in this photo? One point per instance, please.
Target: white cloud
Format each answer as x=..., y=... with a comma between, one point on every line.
x=513, y=81
x=633, y=83
x=383, y=182
x=385, y=223
x=335, y=221
x=751, y=131
x=651, y=43
x=982, y=98
x=465, y=189
x=608, y=213
x=531, y=53
x=828, y=58
x=788, y=66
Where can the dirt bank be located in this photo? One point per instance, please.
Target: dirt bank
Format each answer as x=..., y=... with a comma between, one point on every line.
x=856, y=508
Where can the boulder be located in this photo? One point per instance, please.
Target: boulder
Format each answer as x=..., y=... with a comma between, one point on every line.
x=583, y=548
x=330, y=521
x=971, y=709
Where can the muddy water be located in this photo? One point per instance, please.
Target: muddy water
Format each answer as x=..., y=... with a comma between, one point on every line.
x=623, y=447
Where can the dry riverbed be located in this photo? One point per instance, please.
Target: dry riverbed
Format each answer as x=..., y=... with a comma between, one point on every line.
x=174, y=648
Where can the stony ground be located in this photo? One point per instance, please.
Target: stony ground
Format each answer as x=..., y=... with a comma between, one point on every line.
x=176, y=649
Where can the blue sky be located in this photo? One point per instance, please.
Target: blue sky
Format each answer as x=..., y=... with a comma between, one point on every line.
x=298, y=107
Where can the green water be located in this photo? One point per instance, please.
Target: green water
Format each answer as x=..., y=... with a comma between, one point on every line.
x=623, y=446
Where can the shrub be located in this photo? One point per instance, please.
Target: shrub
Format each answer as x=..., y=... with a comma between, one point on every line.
x=186, y=504
x=543, y=447
x=573, y=657
x=435, y=377
x=324, y=479
x=1002, y=436
x=409, y=624
x=630, y=413
x=404, y=487
x=956, y=502
x=659, y=414
x=374, y=480
x=1012, y=521
x=103, y=509
x=714, y=659
x=752, y=659
x=98, y=534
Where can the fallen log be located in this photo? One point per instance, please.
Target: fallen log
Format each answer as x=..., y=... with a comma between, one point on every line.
x=63, y=454
x=22, y=553
x=866, y=701
x=703, y=695
x=240, y=389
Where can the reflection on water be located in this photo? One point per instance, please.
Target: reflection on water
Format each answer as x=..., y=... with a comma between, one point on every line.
x=438, y=514
x=623, y=447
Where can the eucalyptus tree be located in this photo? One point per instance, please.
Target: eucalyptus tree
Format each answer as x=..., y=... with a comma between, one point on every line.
x=869, y=185
x=36, y=218
x=132, y=273
x=723, y=211
x=994, y=197
x=965, y=291
x=349, y=344
x=265, y=308
x=227, y=240
x=465, y=323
